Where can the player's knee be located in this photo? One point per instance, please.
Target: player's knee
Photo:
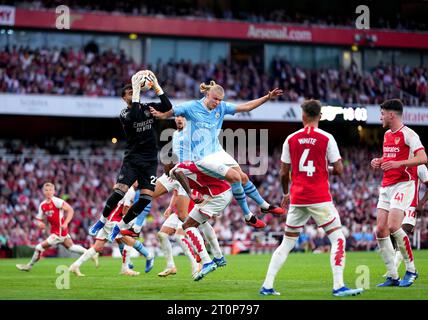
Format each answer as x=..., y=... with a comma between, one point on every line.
x=382, y=232
x=244, y=178
x=408, y=228
x=162, y=235
x=39, y=247
x=233, y=176
x=121, y=187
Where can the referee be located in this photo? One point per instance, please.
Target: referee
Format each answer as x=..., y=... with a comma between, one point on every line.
x=141, y=160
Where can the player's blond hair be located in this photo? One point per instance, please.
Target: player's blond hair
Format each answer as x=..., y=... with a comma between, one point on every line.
x=48, y=184
x=205, y=88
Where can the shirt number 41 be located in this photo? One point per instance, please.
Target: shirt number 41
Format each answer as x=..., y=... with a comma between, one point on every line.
x=399, y=196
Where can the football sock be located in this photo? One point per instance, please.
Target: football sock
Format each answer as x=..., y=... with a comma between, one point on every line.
x=36, y=255
x=387, y=254
x=251, y=191
x=137, y=207
x=211, y=237
x=141, y=218
x=121, y=247
x=278, y=259
x=77, y=249
x=239, y=195
x=403, y=244
x=337, y=257
x=187, y=250
x=112, y=202
x=126, y=256
x=85, y=257
x=142, y=249
x=166, y=249
x=398, y=258
x=195, y=237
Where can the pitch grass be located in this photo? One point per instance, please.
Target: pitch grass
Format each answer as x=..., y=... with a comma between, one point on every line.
x=304, y=276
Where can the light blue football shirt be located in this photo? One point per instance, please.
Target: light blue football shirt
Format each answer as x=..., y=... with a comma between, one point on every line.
x=204, y=125
x=181, y=145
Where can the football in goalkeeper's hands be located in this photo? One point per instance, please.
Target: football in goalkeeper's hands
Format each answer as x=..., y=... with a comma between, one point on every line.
x=147, y=83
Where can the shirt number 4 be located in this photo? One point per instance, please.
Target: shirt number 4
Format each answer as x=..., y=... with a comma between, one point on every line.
x=309, y=168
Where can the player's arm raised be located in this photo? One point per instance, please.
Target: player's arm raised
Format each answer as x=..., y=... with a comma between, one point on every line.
x=70, y=213
x=251, y=105
x=165, y=104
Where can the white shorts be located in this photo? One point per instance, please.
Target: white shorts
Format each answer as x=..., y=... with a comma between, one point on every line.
x=172, y=222
x=211, y=207
x=410, y=216
x=106, y=230
x=217, y=164
x=54, y=239
x=324, y=214
x=397, y=196
x=171, y=184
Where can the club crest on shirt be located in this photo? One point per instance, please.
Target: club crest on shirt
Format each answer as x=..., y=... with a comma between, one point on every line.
x=217, y=115
x=397, y=140
x=147, y=113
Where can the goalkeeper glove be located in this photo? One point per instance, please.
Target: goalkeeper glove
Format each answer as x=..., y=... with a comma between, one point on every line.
x=137, y=79
x=156, y=86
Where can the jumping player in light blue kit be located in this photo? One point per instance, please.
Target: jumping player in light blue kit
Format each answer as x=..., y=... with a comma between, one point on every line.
x=205, y=119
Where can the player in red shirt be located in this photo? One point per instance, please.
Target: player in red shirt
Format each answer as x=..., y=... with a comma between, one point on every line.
x=402, y=153
x=308, y=153
x=212, y=197
x=414, y=211
x=58, y=214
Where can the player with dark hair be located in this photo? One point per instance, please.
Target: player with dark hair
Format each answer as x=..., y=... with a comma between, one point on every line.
x=141, y=153
x=403, y=152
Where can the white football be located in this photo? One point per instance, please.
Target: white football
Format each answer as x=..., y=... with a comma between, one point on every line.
x=147, y=83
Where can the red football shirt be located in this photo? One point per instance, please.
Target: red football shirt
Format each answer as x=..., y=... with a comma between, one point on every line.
x=55, y=215
x=309, y=151
x=397, y=146
x=201, y=182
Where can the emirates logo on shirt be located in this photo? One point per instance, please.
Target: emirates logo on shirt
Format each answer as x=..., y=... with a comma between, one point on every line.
x=397, y=140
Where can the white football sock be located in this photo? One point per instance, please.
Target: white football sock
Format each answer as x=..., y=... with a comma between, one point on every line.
x=264, y=205
x=387, y=254
x=195, y=237
x=187, y=250
x=85, y=257
x=403, y=244
x=337, y=257
x=126, y=257
x=211, y=237
x=36, y=255
x=278, y=258
x=398, y=258
x=76, y=248
x=166, y=249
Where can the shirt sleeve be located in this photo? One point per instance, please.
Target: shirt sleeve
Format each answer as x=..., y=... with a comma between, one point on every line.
x=423, y=173
x=414, y=142
x=39, y=215
x=182, y=109
x=333, y=154
x=285, y=156
x=229, y=108
x=58, y=202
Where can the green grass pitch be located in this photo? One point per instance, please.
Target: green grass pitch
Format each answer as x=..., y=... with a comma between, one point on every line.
x=304, y=276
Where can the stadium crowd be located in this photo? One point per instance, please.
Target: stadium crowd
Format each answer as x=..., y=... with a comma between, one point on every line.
x=92, y=73
x=85, y=174
x=209, y=10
